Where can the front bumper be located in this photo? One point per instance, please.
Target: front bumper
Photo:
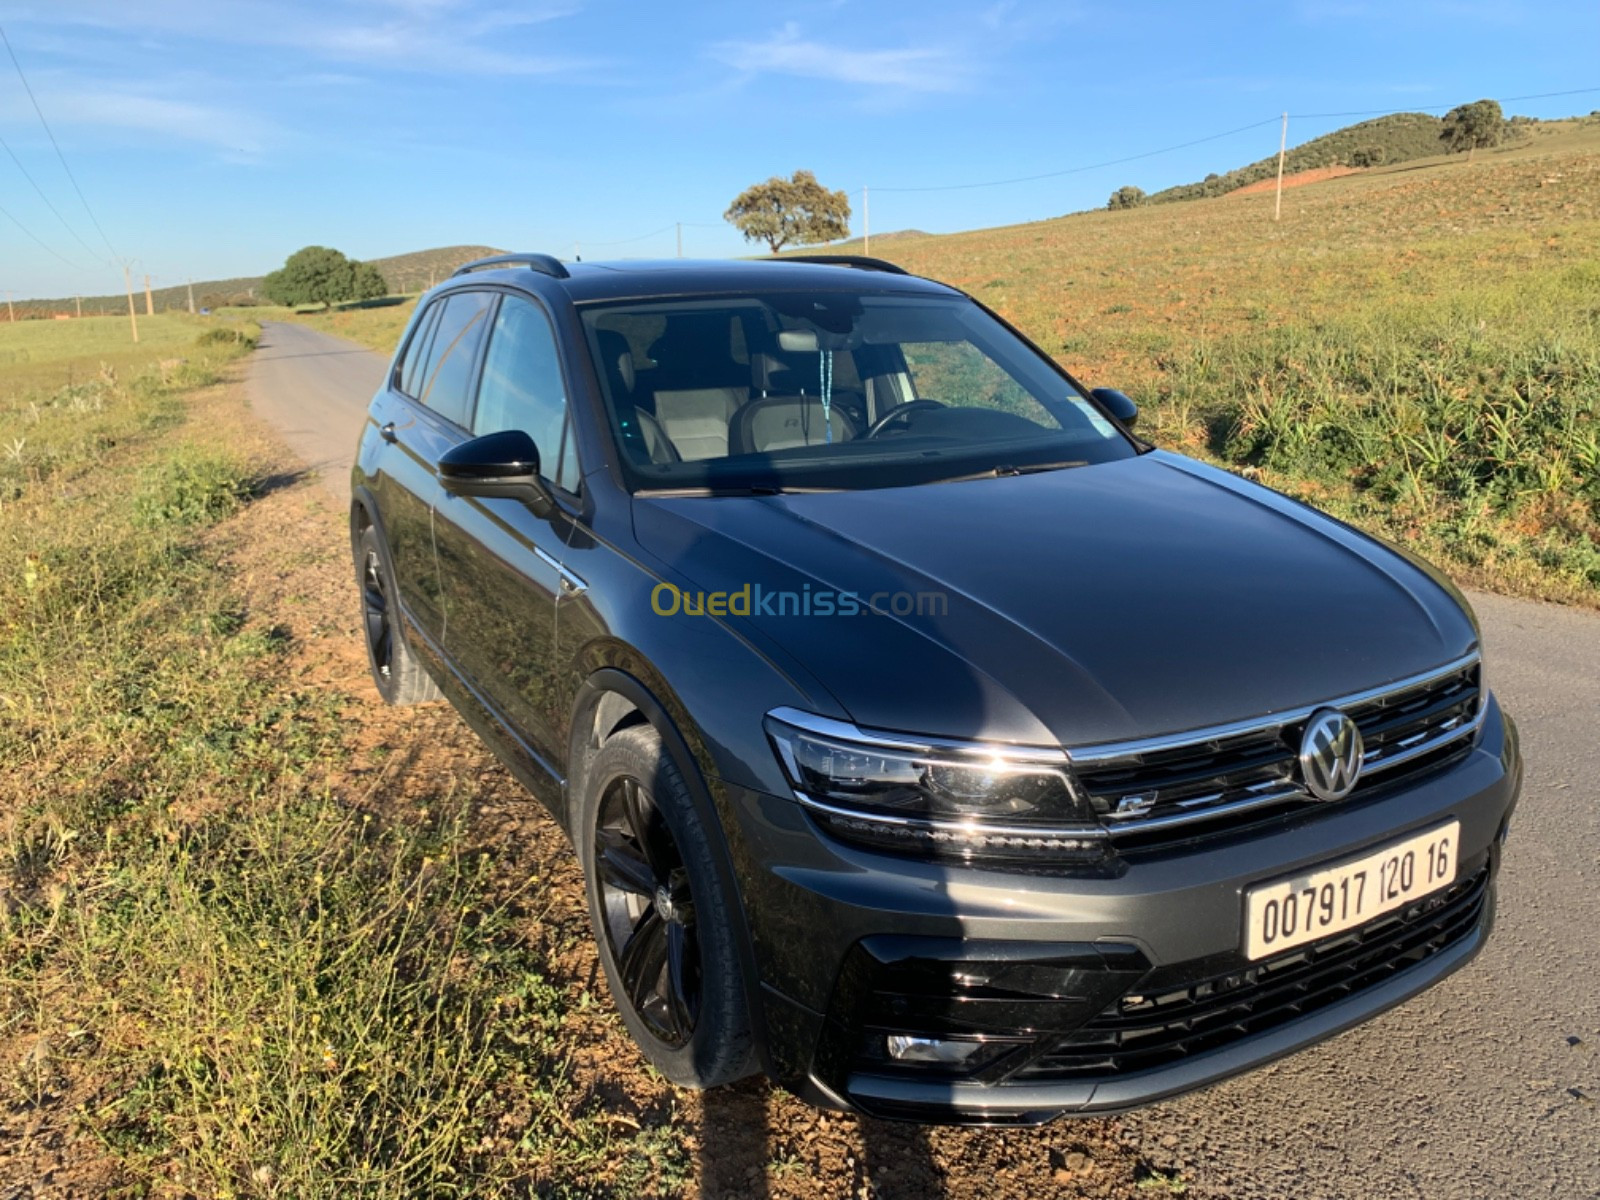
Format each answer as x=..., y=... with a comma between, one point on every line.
x=851, y=945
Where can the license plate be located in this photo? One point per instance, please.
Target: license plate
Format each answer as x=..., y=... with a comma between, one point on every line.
x=1328, y=900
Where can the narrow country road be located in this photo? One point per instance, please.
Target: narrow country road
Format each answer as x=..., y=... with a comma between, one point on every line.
x=1486, y=1086
x=314, y=389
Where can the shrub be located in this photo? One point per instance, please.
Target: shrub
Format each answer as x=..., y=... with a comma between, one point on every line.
x=191, y=488
x=226, y=335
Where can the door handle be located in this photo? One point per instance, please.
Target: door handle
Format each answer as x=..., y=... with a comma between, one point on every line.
x=386, y=431
x=569, y=583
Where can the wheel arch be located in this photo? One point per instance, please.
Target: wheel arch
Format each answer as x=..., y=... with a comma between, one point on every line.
x=613, y=698
x=364, y=505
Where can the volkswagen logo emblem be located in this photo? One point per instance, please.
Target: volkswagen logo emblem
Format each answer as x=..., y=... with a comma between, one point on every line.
x=1330, y=754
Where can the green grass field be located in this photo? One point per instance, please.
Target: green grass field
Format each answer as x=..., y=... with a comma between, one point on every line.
x=46, y=355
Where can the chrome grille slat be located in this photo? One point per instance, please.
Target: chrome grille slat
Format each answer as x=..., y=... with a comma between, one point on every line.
x=1245, y=772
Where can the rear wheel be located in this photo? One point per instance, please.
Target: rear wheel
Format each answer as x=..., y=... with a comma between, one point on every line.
x=400, y=678
x=663, y=924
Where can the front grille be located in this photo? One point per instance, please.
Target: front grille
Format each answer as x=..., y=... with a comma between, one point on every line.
x=1150, y=793
x=1172, y=1020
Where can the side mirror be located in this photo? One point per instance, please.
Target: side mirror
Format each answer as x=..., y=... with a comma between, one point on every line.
x=1118, y=405
x=502, y=465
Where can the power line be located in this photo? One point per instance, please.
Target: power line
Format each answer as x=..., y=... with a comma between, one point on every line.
x=70, y=176
x=1389, y=112
x=45, y=245
x=630, y=241
x=7, y=147
x=1115, y=162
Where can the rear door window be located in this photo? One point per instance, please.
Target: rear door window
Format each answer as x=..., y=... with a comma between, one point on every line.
x=448, y=372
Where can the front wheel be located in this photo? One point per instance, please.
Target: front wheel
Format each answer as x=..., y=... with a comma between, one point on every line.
x=664, y=926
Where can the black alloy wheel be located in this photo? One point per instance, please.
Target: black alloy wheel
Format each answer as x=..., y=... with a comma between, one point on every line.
x=648, y=913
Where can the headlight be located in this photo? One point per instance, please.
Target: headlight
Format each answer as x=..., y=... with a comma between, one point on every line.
x=965, y=800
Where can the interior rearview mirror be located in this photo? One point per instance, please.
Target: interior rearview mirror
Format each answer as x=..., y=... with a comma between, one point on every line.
x=504, y=465
x=1118, y=405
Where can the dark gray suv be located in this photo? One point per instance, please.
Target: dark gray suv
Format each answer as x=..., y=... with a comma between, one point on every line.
x=928, y=740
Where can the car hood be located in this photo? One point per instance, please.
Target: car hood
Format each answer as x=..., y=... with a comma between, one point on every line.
x=1128, y=599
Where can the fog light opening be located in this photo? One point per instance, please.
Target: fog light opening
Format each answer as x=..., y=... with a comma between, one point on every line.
x=945, y=1052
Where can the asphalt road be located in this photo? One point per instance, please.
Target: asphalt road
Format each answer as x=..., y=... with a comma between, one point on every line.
x=1486, y=1086
x=314, y=389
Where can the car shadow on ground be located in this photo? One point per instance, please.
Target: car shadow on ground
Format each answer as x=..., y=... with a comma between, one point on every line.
x=755, y=1142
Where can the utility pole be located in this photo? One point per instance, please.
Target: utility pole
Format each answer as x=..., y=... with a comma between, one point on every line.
x=680, y=239
x=133, y=319
x=79, y=301
x=11, y=312
x=1283, y=144
x=866, y=221
x=191, y=297
x=149, y=302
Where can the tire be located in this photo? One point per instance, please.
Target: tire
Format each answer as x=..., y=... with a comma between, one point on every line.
x=399, y=677
x=657, y=899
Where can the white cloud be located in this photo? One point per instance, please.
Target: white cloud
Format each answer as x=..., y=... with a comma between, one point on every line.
x=925, y=68
x=240, y=136
x=426, y=36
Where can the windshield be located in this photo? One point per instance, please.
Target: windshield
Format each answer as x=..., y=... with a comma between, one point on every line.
x=833, y=390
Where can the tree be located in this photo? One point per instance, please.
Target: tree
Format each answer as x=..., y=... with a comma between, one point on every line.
x=1367, y=156
x=1126, y=197
x=367, y=282
x=1469, y=126
x=318, y=275
x=797, y=211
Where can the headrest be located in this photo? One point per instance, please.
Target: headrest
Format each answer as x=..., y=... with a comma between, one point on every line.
x=616, y=356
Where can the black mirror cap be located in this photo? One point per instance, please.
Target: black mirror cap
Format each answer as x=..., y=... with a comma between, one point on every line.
x=504, y=464
x=1118, y=405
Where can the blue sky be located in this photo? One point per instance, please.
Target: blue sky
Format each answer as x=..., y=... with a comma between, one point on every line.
x=213, y=137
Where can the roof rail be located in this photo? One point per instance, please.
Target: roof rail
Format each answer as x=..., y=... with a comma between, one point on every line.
x=545, y=264
x=859, y=261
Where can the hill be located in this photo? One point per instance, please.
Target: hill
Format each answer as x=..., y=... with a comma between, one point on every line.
x=1400, y=137
x=405, y=273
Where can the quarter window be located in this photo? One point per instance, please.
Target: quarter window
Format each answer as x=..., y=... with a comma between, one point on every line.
x=522, y=386
x=413, y=368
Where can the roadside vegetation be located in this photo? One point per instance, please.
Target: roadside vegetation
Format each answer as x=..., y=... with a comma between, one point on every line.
x=218, y=977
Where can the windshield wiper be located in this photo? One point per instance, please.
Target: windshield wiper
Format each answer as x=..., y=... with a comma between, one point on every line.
x=754, y=489
x=1005, y=469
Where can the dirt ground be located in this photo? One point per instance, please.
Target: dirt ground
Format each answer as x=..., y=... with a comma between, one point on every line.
x=1298, y=179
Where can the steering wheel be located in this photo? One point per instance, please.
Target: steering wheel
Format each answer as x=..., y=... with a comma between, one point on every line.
x=898, y=412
